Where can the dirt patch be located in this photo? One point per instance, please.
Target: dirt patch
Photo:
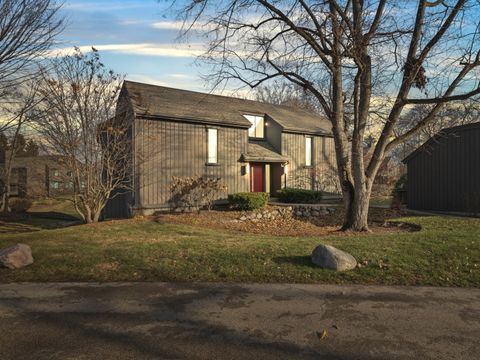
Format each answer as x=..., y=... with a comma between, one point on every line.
x=291, y=226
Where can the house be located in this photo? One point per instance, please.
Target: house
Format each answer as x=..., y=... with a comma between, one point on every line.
x=444, y=173
x=251, y=146
x=39, y=176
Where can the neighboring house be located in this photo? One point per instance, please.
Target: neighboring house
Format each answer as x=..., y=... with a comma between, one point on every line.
x=251, y=146
x=39, y=176
x=444, y=173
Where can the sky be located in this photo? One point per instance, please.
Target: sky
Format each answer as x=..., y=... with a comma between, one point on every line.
x=138, y=38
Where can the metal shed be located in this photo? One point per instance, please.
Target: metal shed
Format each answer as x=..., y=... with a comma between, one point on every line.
x=444, y=173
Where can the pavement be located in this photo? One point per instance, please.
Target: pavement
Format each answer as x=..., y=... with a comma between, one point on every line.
x=237, y=321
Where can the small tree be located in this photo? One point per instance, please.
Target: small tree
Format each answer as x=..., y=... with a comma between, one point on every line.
x=79, y=122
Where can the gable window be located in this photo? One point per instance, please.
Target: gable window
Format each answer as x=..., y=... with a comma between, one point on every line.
x=212, y=135
x=308, y=151
x=257, y=128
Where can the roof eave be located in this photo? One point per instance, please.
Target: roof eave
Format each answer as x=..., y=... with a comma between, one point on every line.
x=191, y=120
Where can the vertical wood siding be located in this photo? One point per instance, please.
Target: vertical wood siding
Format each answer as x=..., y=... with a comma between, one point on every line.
x=323, y=160
x=446, y=175
x=166, y=148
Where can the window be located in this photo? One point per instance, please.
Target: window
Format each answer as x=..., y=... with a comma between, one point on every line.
x=257, y=128
x=55, y=185
x=308, y=151
x=212, y=146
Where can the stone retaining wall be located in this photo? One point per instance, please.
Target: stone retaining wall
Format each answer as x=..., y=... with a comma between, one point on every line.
x=277, y=212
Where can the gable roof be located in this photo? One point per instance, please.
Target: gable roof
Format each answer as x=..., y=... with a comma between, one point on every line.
x=438, y=137
x=183, y=105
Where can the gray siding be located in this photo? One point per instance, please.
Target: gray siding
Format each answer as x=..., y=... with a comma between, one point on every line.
x=170, y=148
x=323, y=161
x=445, y=175
x=273, y=134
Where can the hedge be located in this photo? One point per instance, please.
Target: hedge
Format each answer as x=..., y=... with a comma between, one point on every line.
x=299, y=196
x=248, y=200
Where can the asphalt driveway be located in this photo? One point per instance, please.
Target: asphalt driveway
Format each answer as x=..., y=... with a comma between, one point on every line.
x=233, y=321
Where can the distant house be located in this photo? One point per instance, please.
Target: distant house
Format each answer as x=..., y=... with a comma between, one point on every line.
x=39, y=176
x=251, y=146
x=444, y=173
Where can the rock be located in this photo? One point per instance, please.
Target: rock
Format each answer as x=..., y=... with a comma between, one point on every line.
x=329, y=257
x=243, y=218
x=298, y=213
x=16, y=257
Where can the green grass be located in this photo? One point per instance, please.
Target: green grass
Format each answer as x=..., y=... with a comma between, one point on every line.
x=446, y=252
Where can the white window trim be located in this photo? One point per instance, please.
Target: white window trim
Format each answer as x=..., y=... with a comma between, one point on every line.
x=308, y=151
x=212, y=154
x=254, y=120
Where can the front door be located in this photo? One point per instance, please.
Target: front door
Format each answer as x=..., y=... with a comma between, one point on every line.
x=257, y=177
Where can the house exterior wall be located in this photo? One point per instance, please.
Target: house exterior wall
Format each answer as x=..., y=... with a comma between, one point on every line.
x=445, y=176
x=273, y=134
x=321, y=173
x=164, y=149
x=39, y=176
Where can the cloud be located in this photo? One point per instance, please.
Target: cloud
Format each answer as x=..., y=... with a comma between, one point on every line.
x=93, y=6
x=147, y=49
x=179, y=25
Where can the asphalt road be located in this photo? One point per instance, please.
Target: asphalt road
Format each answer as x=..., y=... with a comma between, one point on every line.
x=236, y=321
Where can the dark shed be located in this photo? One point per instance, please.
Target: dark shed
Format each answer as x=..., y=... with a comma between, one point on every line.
x=444, y=173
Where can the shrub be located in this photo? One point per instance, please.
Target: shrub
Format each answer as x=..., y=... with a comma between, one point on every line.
x=195, y=192
x=299, y=196
x=19, y=205
x=248, y=200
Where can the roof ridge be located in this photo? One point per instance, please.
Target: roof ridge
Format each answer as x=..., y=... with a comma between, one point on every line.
x=225, y=97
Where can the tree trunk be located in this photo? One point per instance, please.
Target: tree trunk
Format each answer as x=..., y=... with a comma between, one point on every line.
x=356, y=210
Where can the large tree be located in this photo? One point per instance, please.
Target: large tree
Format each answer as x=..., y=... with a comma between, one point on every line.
x=363, y=60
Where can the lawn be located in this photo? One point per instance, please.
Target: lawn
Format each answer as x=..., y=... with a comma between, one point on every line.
x=446, y=252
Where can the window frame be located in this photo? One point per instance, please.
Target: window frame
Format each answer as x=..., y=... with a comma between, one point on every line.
x=309, y=154
x=255, y=125
x=209, y=130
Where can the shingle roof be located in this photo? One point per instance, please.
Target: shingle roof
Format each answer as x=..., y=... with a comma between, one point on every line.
x=262, y=151
x=176, y=104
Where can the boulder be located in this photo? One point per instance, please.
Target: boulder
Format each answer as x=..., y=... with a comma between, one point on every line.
x=16, y=257
x=329, y=257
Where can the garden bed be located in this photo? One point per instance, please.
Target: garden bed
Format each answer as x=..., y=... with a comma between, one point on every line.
x=257, y=222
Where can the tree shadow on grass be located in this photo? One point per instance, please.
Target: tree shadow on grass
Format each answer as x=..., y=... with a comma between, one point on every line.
x=294, y=260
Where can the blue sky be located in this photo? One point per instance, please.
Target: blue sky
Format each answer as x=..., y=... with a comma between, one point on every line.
x=136, y=38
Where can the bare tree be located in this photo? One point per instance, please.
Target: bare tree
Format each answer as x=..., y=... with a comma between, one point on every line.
x=18, y=114
x=451, y=115
x=80, y=123
x=349, y=54
x=27, y=31
x=284, y=93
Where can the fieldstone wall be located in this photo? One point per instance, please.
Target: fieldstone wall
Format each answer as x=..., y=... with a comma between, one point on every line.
x=284, y=212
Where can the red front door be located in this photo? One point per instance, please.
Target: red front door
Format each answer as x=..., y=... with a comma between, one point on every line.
x=257, y=182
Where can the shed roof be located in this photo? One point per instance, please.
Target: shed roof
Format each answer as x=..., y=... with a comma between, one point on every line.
x=183, y=105
x=262, y=151
x=441, y=134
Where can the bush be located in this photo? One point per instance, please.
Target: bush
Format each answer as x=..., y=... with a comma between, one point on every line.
x=20, y=205
x=248, y=200
x=195, y=192
x=299, y=196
